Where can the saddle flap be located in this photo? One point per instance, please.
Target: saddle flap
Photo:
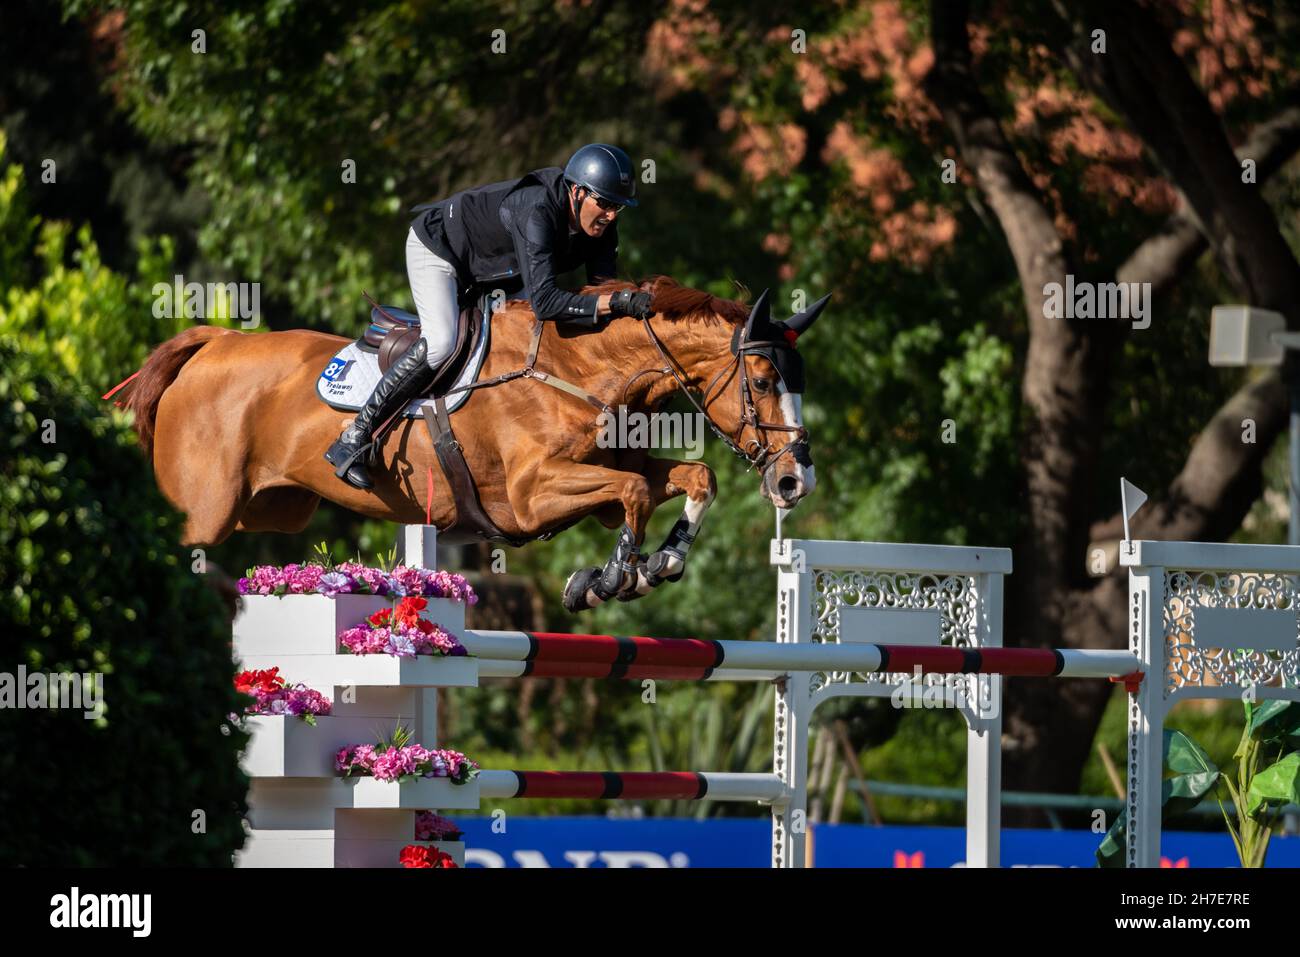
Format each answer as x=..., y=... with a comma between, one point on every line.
x=394, y=345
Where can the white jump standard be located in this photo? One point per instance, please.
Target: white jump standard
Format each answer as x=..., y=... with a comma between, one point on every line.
x=854, y=619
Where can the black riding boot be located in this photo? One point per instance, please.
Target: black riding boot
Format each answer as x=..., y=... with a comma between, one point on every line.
x=405, y=379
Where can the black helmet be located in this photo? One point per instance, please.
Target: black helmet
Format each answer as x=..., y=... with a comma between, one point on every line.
x=604, y=170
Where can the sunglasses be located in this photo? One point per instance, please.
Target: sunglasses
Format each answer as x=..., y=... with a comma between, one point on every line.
x=606, y=204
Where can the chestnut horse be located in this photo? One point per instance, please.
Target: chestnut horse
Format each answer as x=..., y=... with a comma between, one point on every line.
x=237, y=434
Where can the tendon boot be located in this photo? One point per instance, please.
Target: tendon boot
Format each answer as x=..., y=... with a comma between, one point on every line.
x=405, y=379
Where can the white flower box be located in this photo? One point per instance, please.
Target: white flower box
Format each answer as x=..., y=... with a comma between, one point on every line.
x=418, y=795
x=422, y=671
x=283, y=746
x=326, y=672
x=310, y=624
x=322, y=849
x=299, y=624
x=263, y=848
x=349, y=852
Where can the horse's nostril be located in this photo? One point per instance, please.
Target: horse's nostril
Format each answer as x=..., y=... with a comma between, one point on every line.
x=787, y=485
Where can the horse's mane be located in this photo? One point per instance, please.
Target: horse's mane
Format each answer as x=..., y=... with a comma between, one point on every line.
x=674, y=301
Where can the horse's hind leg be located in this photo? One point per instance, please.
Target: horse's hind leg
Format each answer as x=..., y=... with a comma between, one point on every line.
x=198, y=474
x=211, y=508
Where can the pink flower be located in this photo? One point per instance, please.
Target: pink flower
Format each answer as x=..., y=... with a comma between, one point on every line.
x=363, y=756
x=433, y=827
x=393, y=764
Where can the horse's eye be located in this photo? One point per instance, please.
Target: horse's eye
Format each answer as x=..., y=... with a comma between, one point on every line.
x=762, y=385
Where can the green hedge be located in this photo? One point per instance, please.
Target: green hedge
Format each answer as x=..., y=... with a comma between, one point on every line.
x=92, y=579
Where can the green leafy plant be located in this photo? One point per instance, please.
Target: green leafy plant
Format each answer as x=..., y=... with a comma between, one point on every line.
x=400, y=738
x=1257, y=794
x=1272, y=732
x=321, y=555
x=94, y=580
x=386, y=561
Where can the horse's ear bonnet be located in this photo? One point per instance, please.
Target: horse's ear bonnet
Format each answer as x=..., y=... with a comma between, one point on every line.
x=775, y=339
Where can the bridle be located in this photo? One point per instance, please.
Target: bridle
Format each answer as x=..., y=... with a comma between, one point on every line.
x=759, y=454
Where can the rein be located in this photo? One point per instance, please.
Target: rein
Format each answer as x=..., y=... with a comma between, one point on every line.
x=755, y=453
x=763, y=456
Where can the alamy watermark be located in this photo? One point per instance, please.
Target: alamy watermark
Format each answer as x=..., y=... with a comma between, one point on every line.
x=924, y=691
x=654, y=430
x=53, y=689
x=213, y=300
x=1098, y=300
x=74, y=909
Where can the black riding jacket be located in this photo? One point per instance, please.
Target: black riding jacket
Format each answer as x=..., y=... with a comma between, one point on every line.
x=516, y=234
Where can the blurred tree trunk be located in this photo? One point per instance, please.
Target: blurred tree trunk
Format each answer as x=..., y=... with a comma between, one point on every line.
x=1052, y=600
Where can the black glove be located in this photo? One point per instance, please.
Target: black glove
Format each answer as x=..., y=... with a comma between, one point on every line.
x=629, y=302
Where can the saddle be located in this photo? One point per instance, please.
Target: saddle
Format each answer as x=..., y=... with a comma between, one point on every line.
x=347, y=381
x=392, y=331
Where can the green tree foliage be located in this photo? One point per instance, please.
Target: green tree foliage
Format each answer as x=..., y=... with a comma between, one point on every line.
x=800, y=153
x=98, y=323
x=92, y=580
x=284, y=94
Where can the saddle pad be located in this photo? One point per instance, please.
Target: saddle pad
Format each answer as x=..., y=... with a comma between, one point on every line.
x=350, y=377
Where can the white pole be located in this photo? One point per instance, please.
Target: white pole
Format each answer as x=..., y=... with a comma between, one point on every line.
x=1146, y=717
x=419, y=546
x=984, y=741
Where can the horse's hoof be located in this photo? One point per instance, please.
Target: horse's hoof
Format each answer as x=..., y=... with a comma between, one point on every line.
x=577, y=587
x=659, y=568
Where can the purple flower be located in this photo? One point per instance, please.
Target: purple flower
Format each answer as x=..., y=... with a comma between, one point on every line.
x=355, y=578
x=334, y=583
x=400, y=645
x=304, y=700
x=262, y=580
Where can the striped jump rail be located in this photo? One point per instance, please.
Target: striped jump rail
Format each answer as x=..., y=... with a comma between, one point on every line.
x=522, y=654
x=633, y=785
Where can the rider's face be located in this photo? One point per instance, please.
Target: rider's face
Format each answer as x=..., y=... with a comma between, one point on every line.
x=593, y=220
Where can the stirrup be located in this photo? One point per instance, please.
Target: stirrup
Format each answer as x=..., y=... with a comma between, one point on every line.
x=364, y=453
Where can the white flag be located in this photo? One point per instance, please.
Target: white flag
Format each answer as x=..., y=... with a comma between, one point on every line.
x=1132, y=498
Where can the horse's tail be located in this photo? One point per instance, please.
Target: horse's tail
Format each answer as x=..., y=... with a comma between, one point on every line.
x=159, y=371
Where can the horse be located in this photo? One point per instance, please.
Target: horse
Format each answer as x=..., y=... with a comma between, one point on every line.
x=236, y=433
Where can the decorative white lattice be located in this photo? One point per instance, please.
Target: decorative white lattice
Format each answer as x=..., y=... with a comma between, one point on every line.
x=955, y=597
x=1189, y=666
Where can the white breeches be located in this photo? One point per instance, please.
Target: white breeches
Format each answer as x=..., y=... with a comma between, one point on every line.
x=434, y=286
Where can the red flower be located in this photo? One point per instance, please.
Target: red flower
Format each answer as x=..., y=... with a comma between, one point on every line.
x=408, y=611
x=251, y=682
x=380, y=618
x=416, y=855
x=413, y=855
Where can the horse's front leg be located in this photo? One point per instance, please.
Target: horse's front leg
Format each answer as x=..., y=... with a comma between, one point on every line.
x=560, y=490
x=669, y=479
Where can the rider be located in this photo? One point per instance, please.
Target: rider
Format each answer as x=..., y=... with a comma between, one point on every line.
x=519, y=234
